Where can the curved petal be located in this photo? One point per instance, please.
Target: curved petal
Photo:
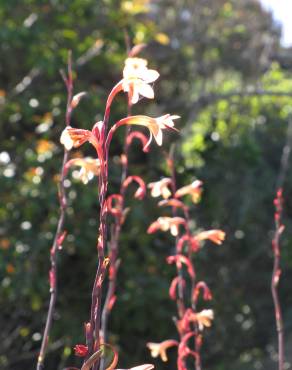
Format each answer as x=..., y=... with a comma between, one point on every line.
x=151, y=76
x=135, y=95
x=158, y=136
x=66, y=140
x=145, y=90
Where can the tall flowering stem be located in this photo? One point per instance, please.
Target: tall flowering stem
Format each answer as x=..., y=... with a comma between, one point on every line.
x=114, y=241
x=189, y=321
x=279, y=228
x=135, y=82
x=119, y=218
x=186, y=213
x=60, y=233
x=180, y=281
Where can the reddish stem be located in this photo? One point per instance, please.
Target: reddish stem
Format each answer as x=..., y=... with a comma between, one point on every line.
x=276, y=277
x=59, y=231
x=180, y=300
x=114, y=243
x=95, y=316
x=194, y=303
x=93, y=335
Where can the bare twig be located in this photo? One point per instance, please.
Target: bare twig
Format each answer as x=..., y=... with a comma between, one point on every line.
x=276, y=276
x=60, y=234
x=180, y=299
x=115, y=235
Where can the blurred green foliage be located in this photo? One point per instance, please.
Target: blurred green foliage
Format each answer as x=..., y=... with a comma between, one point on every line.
x=212, y=55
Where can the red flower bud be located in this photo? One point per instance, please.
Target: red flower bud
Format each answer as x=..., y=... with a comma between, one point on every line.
x=80, y=350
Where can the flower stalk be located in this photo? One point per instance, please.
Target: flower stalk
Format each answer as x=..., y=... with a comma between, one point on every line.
x=60, y=234
x=135, y=83
x=115, y=236
x=189, y=321
x=279, y=228
x=119, y=216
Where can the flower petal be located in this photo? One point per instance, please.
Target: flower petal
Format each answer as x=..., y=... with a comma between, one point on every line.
x=66, y=140
x=158, y=136
x=145, y=90
x=151, y=76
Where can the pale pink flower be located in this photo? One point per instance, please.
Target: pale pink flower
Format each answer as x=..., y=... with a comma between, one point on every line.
x=155, y=125
x=216, y=236
x=194, y=189
x=89, y=167
x=165, y=224
x=159, y=349
x=203, y=318
x=160, y=188
x=172, y=203
x=75, y=137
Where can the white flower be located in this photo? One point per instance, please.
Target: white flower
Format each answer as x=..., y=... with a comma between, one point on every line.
x=89, y=167
x=194, y=189
x=154, y=125
x=160, y=188
x=204, y=318
x=137, y=78
x=66, y=140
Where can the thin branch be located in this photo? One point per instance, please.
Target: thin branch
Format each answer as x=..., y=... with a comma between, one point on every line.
x=114, y=242
x=180, y=299
x=278, y=202
x=276, y=276
x=59, y=235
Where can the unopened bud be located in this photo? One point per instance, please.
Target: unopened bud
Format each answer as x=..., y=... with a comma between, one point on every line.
x=80, y=350
x=136, y=50
x=76, y=99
